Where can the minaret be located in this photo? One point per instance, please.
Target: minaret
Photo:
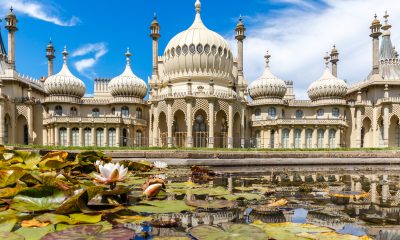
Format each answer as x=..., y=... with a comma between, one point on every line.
x=11, y=26
x=50, y=57
x=375, y=33
x=155, y=35
x=240, y=36
x=334, y=59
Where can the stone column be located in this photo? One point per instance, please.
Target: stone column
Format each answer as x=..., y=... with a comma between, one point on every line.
x=69, y=136
x=150, y=129
x=386, y=125
x=30, y=124
x=1, y=120
x=105, y=144
x=211, y=123
x=267, y=138
x=56, y=136
x=278, y=139
x=155, y=127
x=81, y=137
x=358, y=127
x=45, y=137
x=374, y=123
x=314, y=143
x=303, y=137
x=170, y=120
x=242, y=124
x=93, y=136
x=189, y=122
x=51, y=136
x=337, y=137
x=230, y=126
x=291, y=137
x=326, y=138
x=118, y=136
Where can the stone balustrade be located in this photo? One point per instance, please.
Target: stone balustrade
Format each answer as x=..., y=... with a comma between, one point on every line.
x=94, y=120
x=259, y=122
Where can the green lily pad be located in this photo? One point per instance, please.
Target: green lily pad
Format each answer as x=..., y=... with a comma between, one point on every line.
x=161, y=206
x=215, y=204
x=72, y=219
x=10, y=177
x=210, y=191
x=7, y=225
x=91, y=232
x=10, y=191
x=228, y=232
x=79, y=201
x=56, y=160
x=11, y=236
x=35, y=233
x=22, y=159
x=38, y=199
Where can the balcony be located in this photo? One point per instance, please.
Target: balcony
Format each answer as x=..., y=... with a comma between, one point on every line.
x=95, y=120
x=301, y=121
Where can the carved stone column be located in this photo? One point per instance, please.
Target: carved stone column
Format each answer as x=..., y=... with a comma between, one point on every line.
x=155, y=127
x=45, y=137
x=303, y=137
x=56, y=136
x=230, y=126
x=189, y=122
x=314, y=143
x=118, y=136
x=358, y=127
x=68, y=136
x=94, y=136
x=211, y=123
x=170, y=121
x=81, y=137
x=30, y=124
x=386, y=125
x=1, y=120
x=150, y=129
x=267, y=138
x=105, y=144
x=338, y=137
x=242, y=124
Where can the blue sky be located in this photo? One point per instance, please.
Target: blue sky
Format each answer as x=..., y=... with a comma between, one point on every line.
x=97, y=33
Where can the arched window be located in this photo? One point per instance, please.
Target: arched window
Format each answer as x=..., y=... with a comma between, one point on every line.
x=62, y=136
x=58, y=111
x=200, y=125
x=257, y=112
x=309, y=134
x=112, y=137
x=335, y=112
x=100, y=137
x=139, y=138
x=88, y=137
x=113, y=111
x=73, y=111
x=95, y=112
x=320, y=113
x=285, y=138
x=75, y=137
x=297, y=138
x=139, y=113
x=320, y=138
x=299, y=114
x=125, y=111
x=272, y=112
x=332, y=138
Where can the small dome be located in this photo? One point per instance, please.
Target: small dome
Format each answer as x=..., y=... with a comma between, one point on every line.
x=198, y=52
x=127, y=84
x=65, y=83
x=268, y=85
x=328, y=86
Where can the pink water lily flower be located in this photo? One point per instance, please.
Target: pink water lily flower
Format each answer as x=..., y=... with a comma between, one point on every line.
x=111, y=173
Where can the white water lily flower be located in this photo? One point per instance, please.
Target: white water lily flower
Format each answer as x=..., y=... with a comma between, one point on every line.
x=98, y=163
x=160, y=165
x=111, y=173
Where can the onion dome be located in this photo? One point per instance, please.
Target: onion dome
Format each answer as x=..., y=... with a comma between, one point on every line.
x=127, y=84
x=328, y=86
x=268, y=85
x=65, y=83
x=198, y=52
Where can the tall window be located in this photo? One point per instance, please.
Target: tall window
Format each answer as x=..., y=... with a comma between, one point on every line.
x=320, y=138
x=63, y=136
x=95, y=112
x=139, y=138
x=113, y=111
x=320, y=113
x=297, y=138
x=125, y=111
x=272, y=112
x=73, y=111
x=299, y=114
x=100, y=137
x=285, y=138
x=112, y=137
x=58, y=110
x=309, y=134
x=332, y=138
x=335, y=112
x=258, y=113
x=75, y=137
x=88, y=137
x=139, y=113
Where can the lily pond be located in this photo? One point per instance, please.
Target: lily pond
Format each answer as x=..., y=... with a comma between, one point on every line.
x=62, y=195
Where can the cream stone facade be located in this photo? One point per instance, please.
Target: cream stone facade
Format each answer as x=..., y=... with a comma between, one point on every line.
x=198, y=96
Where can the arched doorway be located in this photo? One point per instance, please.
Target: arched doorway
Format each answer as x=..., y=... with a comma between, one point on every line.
x=394, y=132
x=221, y=130
x=179, y=129
x=236, y=130
x=163, y=129
x=22, y=136
x=366, y=133
x=200, y=128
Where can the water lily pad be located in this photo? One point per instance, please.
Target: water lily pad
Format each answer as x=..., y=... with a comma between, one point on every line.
x=38, y=199
x=11, y=236
x=56, y=160
x=7, y=225
x=161, y=206
x=91, y=232
x=79, y=201
x=10, y=191
x=215, y=204
x=141, y=166
x=348, y=194
x=72, y=219
x=10, y=177
x=228, y=232
x=245, y=196
x=331, y=235
x=35, y=233
x=23, y=159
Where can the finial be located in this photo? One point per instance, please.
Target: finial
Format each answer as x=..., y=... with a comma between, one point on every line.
x=65, y=54
x=128, y=56
x=198, y=6
x=240, y=18
x=327, y=59
x=11, y=9
x=386, y=16
x=267, y=56
x=155, y=16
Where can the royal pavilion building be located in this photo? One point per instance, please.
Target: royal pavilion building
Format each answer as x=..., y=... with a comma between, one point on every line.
x=198, y=96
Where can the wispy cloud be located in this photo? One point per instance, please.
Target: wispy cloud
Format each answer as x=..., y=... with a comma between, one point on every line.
x=38, y=10
x=298, y=37
x=85, y=65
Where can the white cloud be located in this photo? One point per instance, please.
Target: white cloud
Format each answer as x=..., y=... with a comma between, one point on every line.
x=38, y=10
x=85, y=65
x=298, y=37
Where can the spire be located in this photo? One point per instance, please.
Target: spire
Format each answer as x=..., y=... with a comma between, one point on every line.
x=198, y=23
x=198, y=6
x=240, y=29
x=65, y=54
x=326, y=58
x=267, y=56
x=386, y=27
x=128, y=57
x=386, y=51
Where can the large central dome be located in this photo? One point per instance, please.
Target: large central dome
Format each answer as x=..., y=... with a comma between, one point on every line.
x=198, y=53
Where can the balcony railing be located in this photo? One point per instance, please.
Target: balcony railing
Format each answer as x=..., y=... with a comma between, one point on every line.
x=94, y=120
x=301, y=121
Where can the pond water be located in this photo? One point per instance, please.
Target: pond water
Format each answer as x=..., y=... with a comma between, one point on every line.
x=350, y=200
